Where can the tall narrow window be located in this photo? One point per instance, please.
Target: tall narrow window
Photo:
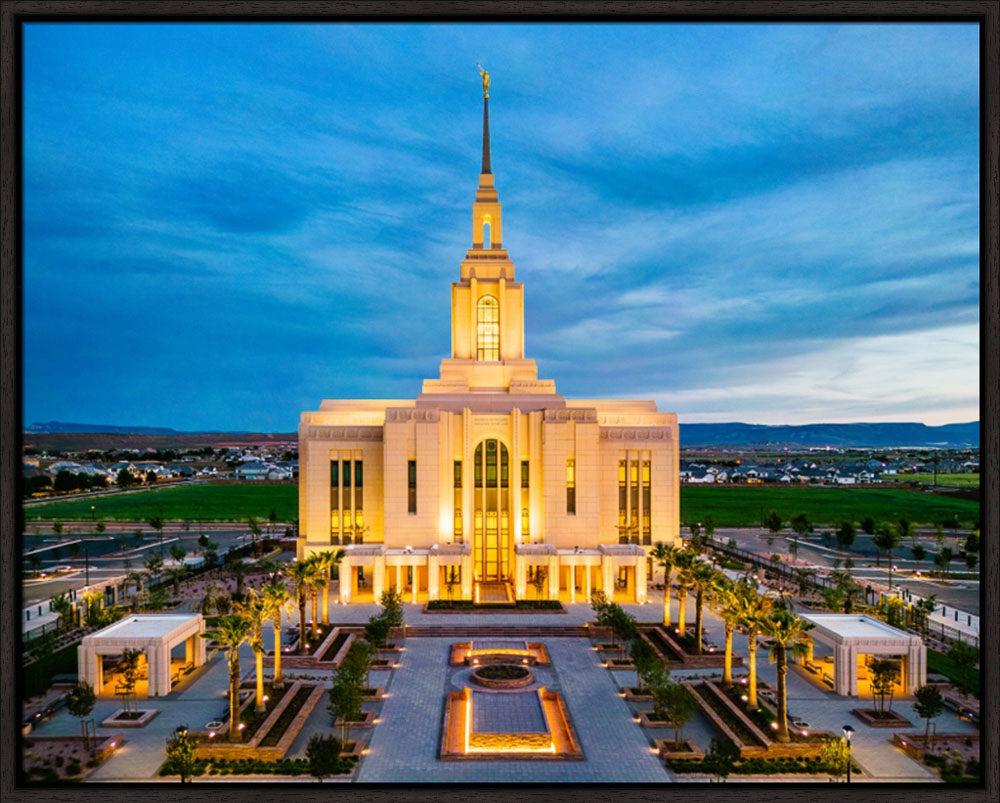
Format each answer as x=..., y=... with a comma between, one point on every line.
x=571, y=487
x=524, y=473
x=411, y=470
x=487, y=239
x=488, y=329
x=458, y=473
x=647, y=533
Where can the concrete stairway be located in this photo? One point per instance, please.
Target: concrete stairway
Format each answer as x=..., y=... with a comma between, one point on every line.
x=497, y=631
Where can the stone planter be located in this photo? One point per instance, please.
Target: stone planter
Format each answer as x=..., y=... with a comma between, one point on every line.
x=480, y=676
x=146, y=716
x=615, y=664
x=635, y=694
x=378, y=692
x=667, y=749
x=867, y=716
x=367, y=720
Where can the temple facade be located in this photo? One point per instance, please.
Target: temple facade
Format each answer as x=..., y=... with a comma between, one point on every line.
x=490, y=484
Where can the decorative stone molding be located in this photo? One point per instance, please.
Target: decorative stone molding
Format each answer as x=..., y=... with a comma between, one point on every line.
x=584, y=414
x=344, y=433
x=412, y=414
x=652, y=433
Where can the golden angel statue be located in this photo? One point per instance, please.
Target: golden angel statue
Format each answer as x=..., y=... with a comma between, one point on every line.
x=486, y=80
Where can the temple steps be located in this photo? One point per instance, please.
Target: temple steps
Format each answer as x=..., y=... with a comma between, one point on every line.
x=497, y=631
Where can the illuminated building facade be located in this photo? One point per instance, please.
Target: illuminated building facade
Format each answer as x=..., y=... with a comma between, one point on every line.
x=489, y=479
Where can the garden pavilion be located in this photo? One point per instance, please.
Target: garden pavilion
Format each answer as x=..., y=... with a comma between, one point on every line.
x=854, y=640
x=156, y=635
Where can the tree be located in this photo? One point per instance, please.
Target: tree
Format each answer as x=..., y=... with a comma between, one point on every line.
x=703, y=578
x=344, y=699
x=921, y=611
x=323, y=754
x=156, y=522
x=928, y=704
x=684, y=564
x=64, y=609
x=129, y=677
x=884, y=673
x=846, y=533
x=255, y=610
x=944, y=559
x=752, y=608
x=972, y=541
x=906, y=529
x=57, y=527
x=887, y=539
x=538, y=581
x=720, y=758
x=919, y=553
x=232, y=632
x=709, y=527
x=237, y=568
x=302, y=573
x=272, y=519
x=645, y=659
x=772, y=521
x=100, y=527
x=275, y=596
x=327, y=562
x=966, y=658
x=65, y=481
x=868, y=525
x=125, y=478
x=392, y=607
x=665, y=556
x=358, y=661
x=788, y=634
x=451, y=580
x=254, y=526
x=151, y=477
x=177, y=552
x=834, y=754
x=137, y=537
x=153, y=564
x=726, y=596
x=80, y=702
x=800, y=524
x=673, y=703
x=180, y=753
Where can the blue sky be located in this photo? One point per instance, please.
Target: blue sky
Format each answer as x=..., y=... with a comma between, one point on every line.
x=226, y=223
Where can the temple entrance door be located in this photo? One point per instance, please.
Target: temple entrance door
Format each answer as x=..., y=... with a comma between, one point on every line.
x=491, y=522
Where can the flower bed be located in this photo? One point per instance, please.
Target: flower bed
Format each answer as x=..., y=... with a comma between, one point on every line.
x=330, y=653
x=129, y=719
x=278, y=729
x=757, y=766
x=60, y=759
x=740, y=727
x=765, y=715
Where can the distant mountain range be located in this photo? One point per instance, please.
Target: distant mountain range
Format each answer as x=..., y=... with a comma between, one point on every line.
x=883, y=435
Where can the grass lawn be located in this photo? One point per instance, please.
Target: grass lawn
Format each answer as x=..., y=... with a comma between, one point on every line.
x=948, y=480
x=966, y=677
x=732, y=506
x=212, y=502
x=729, y=506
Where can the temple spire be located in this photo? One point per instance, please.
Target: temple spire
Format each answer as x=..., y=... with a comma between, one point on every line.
x=486, y=119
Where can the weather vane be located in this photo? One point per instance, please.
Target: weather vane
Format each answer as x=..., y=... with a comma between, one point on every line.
x=486, y=80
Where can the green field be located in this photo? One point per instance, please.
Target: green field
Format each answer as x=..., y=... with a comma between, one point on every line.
x=221, y=502
x=948, y=480
x=729, y=506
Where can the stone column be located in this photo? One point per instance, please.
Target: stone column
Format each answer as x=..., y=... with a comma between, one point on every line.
x=433, y=578
x=640, y=578
x=553, y=577
x=378, y=576
x=346, y=582
x=607, y=577
x=467, y=576
x=572, y=582
x=520, y=577
x=587, y=589
x=416, y=582
x=89, y=665
x=845, y=676
x=158, y=669
x=189, y=649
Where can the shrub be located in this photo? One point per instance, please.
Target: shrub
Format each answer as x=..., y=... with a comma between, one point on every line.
x=74, y=768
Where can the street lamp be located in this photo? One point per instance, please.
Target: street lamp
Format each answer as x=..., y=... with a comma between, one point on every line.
x=848, y=733
x=93, y=515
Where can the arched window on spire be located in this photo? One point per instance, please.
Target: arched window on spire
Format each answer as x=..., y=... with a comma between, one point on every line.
x=487, y=235
x=488, y=329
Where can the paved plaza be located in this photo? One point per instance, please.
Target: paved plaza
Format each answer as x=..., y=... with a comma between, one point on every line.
x=403, y=746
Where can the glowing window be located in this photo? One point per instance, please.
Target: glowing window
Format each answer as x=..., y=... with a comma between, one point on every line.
x=488, y=330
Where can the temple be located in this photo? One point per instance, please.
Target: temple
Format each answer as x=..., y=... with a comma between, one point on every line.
x=489, y=485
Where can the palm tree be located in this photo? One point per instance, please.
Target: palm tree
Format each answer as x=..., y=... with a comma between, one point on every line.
x=319, y=582
x=255, y=609
x=725, y=595
x=276, y=596
x=326, y=561
x=752, y=607
x=176, y=574
x=684, y=563
x=301, y=572
x=702, y=578
x=665, y=556
x=787, y=632
x=63, y=607
x=232, y=632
